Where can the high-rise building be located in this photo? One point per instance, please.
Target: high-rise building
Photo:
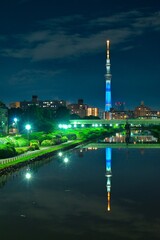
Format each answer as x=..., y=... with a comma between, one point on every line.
x=3, y=118
x=14, y=105
x=90, y=111
x=52, y=104
x=142, y=111
x=108, y=77
x=78, y=108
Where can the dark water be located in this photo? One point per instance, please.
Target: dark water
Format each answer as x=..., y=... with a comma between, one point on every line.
x=70, y=200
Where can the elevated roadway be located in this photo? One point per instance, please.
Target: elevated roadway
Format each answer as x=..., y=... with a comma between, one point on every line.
x=104, y=122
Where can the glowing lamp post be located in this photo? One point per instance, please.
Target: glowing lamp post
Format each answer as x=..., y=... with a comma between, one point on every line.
x=15, y=120
x=16, y=123
x=28, y=128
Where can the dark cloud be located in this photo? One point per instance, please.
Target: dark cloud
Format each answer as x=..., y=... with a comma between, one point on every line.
x=68, y=36
x=28, y=76
x=53, y=43
x=61, y=44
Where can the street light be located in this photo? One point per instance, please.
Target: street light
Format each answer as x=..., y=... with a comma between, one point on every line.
x=28, y=128
x=15, y=120
x=16, y=123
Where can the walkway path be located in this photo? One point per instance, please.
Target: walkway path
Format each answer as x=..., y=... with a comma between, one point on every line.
x=12, y=159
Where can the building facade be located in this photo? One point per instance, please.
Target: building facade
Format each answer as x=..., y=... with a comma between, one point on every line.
x=3, y=119
x=14, y=105
x=78, y=108
x=52, y=104
x=90, y=111
x=142, y=111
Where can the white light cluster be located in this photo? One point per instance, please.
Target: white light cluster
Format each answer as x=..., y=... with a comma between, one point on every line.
x=28, y=175
x=96, y=125
x=64, y=126
x=65, y=159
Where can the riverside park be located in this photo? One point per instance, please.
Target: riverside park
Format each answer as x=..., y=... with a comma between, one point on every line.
x=16, y=149
x=81, y=183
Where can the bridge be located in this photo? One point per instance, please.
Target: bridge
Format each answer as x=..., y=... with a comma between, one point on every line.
x=104, y=122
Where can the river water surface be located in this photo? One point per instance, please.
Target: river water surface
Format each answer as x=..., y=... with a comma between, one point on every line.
x=98, y=194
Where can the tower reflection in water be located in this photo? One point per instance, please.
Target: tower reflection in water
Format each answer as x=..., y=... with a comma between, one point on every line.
x=108, y=176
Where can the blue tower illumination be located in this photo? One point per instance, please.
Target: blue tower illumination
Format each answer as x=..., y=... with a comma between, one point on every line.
x=108, y=175
x=108, y=77
x=108, y=159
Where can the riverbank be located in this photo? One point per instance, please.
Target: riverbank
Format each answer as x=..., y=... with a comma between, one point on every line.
x=14, y=155
x=122, y=145
x=12, y=164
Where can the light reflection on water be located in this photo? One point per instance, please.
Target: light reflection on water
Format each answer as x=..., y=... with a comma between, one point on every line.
x=136, y=136
x=97, y=193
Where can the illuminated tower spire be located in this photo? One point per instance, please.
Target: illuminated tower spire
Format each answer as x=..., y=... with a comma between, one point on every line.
x=108, y=77
x=108, y=175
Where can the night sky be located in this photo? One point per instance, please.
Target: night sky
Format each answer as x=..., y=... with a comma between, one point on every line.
x=56, y=49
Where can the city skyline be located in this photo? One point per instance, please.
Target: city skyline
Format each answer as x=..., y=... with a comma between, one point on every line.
x=57, y=50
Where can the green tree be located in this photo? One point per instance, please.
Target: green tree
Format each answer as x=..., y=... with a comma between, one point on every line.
x=91, y=117
x=41, y=119
x=74, y=116
x=62, y=115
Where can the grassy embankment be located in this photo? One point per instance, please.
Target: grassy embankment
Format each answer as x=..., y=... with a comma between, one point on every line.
x=79, y=136
x=50, y=151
